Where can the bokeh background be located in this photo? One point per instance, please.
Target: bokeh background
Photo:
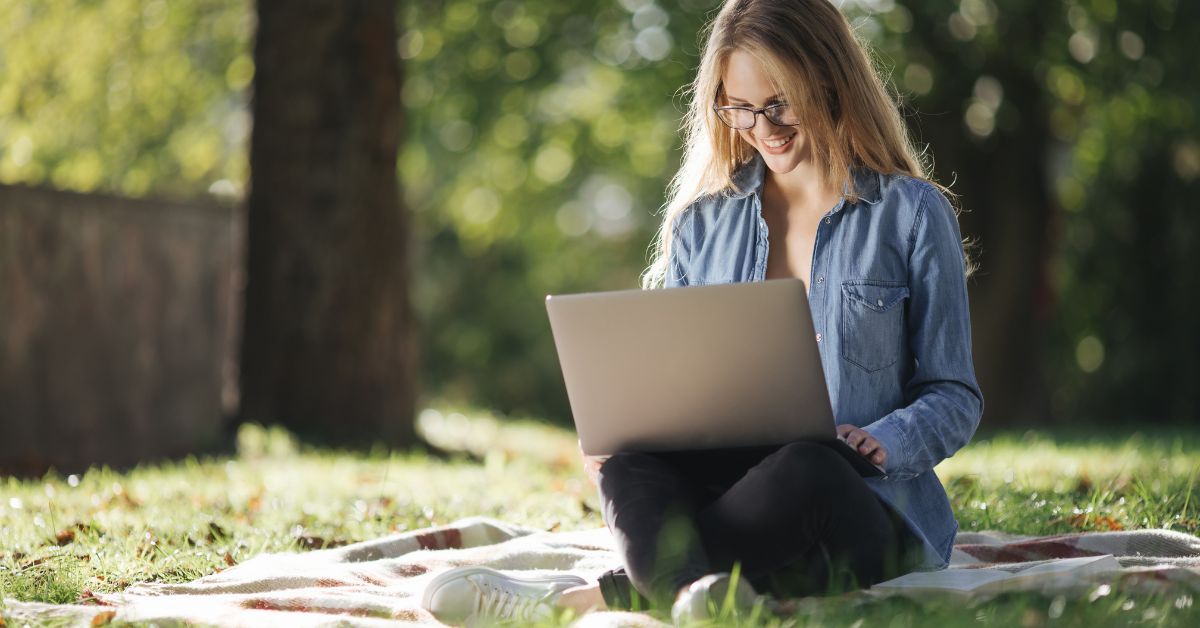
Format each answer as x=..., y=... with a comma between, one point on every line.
x=536, y=142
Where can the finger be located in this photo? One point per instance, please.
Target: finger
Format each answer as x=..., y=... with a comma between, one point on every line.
x=868, y=445
x=856, y=437
x=878, y=457
x=844, y=429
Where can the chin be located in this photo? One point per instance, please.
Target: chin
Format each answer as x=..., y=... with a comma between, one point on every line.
x=781, y=164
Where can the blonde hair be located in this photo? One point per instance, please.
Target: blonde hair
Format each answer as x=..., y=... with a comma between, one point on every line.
x=820, y=66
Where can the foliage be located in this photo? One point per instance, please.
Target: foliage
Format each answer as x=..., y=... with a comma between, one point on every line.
x=63, y=537
x=125, y=96
x=541, y=178
x=540, y=138
x=1126, y=123
x=1110, y=82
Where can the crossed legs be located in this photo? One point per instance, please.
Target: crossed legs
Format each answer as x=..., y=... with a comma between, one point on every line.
x=798, y=518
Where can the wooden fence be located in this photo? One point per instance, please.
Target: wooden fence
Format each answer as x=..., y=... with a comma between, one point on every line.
x=118, y=326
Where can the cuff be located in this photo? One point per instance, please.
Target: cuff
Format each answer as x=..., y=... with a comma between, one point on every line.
x=891, y=437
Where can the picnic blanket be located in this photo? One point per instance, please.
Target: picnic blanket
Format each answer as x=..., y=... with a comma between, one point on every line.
x=379, y=582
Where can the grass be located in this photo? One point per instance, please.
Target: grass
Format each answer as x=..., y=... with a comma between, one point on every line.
x=63, y=538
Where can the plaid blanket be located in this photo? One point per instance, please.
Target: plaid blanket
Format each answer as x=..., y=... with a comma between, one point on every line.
x=380, y=581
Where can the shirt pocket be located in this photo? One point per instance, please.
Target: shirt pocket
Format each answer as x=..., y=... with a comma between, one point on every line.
x=872, y=322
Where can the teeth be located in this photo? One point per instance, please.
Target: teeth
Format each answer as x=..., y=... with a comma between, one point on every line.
x=780, y=142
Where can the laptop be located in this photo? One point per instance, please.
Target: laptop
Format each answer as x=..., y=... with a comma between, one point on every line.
x=697, y=367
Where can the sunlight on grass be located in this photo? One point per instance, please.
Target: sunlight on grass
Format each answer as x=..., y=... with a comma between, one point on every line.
x=1030, y=483
x=62, y=538
x=177, y=521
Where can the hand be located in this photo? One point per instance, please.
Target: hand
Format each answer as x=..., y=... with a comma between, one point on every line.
x=591, y=465
x=866, y=444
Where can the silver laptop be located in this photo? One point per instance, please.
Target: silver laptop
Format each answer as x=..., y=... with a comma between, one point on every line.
x=699, y=367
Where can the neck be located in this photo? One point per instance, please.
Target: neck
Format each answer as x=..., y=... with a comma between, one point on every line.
x=801, y=186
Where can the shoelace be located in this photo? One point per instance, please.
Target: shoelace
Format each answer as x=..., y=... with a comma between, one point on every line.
x=499, y=602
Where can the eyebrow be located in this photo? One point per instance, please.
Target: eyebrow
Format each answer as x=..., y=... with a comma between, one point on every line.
x=735, y=98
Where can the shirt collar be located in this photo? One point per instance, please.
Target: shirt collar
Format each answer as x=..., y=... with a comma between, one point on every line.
x=749, y=178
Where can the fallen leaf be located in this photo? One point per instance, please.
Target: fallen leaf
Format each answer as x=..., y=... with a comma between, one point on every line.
x=309, y=541
x=215, y=532
x=1101, y=522
x=31, y=563
x=64, y=536
x=89, y=598
x=101, y=619
x=229, y=559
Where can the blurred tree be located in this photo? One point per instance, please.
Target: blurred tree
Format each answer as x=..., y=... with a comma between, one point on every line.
x=1069, y=130
x=970, y=72
x=327, y=348
x=539, y=138
x=132, y=98
x=1126, y=169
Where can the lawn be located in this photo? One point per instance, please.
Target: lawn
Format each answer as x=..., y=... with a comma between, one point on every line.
x=62, y=538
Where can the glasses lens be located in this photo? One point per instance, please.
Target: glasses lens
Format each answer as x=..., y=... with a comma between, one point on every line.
x=783, y=115
x=737, y=118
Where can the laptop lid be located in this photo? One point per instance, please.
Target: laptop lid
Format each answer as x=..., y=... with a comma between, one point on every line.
x=698, y=367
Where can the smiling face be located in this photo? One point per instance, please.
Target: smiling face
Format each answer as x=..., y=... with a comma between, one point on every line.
x=745, y=83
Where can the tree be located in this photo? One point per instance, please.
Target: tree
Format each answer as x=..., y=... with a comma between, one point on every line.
x=1069, y=128
x=327, y=346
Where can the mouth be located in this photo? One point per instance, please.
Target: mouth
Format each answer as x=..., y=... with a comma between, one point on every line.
x=779, y=144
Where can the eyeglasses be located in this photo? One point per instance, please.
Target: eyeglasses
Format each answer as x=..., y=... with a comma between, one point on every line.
x=742, y=118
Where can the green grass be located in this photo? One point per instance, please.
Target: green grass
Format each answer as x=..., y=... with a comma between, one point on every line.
x=62, y=538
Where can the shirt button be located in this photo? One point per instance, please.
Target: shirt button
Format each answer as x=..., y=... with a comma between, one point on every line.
x=828, y=220
x=879, y=303
x=821, y=279
x=818, y=337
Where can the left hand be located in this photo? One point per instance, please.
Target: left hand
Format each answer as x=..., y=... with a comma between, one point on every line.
x=591, y=465
x=866, y=444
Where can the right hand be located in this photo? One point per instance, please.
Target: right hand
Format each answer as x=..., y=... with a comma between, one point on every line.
x=591, y=465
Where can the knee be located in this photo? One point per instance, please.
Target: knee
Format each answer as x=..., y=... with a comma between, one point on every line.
x=808, y=468
x=627, y=467
x=624, y=462
x=804, y=457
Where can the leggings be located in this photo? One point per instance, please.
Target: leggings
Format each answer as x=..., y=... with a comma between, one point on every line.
x=798, y=518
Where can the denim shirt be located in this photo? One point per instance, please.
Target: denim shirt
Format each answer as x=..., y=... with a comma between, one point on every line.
x=888, y=297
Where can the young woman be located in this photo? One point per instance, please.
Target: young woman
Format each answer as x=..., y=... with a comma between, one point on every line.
x=797, y=164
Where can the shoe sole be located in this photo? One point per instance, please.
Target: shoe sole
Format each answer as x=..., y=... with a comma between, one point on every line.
x=462, y=572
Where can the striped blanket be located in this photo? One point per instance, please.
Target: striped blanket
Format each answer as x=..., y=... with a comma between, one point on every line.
x=380, y=581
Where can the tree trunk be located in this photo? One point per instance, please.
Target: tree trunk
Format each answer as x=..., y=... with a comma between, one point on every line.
x=1008, y=209
x=327, y=345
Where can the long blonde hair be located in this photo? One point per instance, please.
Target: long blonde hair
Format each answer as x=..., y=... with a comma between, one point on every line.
x=821, y=67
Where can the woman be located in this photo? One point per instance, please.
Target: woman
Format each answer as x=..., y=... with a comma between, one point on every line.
x=797, y=164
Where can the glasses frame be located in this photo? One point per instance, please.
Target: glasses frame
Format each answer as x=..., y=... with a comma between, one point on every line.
x=754, y=110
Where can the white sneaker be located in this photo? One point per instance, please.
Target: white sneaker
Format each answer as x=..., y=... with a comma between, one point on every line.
x=702, y=600
x=478, y=595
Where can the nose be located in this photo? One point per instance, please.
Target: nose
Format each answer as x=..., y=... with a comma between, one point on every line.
x=767, y=127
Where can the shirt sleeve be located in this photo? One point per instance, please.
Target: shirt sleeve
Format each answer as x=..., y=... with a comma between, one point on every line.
x=944, y=399
x=681, y=249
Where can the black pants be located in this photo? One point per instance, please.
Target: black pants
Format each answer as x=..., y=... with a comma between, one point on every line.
x=798, y=517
